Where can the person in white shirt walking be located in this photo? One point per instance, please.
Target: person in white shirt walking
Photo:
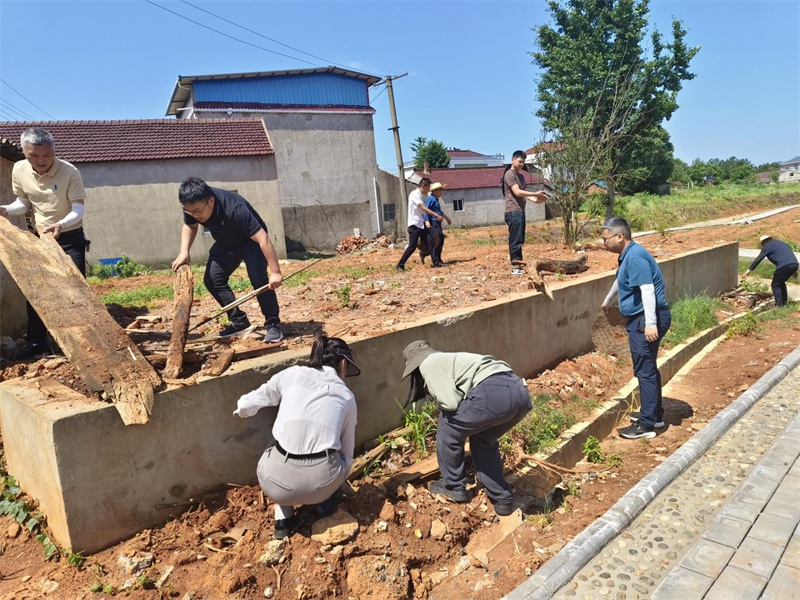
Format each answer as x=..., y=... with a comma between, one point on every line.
x=416, y=224
x=314, y=432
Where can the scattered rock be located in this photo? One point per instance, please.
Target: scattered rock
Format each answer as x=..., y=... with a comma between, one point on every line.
x=268, y=593
x=273, y=552
x=13, y=530
x=376, y=577
x=661, y=449
x=411, y=491
x=49, y=586
x=382, y=526
x=137, y=563
x=336, y=529
x=162, y=580
x=438, y=529
x=388, y=513
x=26, y=579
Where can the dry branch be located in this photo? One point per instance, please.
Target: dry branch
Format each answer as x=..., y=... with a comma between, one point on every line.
x=184, y=293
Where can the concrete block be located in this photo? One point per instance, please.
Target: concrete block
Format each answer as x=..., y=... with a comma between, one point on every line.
x=681, y=584
x=784, y=505
x=772, y=528
x=735, y=583
x=757, y=557
x=707, y=558
x=727, y=530
x=760, y=487
x=791, y=556
x=784, y=583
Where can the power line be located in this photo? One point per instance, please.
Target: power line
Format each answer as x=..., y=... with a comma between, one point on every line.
x=230, y=36
x=264, y=36
x=7, y=115
x=24, y=98
x=16, y=109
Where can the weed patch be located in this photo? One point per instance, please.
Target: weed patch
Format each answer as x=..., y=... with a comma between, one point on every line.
x=144, y=296
x=422, y=421
x=301, y=278
x=745, y=325
x=691, y=315
x=550, y=417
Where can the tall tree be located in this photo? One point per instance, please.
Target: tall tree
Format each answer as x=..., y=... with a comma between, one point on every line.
x=595, y=49
x=432, y=152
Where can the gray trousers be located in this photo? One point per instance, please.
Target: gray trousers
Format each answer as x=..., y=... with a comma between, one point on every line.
x=490, y=409
x=290, y=481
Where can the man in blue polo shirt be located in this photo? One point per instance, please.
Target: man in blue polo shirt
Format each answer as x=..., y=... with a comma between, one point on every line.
x=642, y=300
x=239, y=235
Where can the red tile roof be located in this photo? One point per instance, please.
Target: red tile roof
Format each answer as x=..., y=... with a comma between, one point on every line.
x=458, y=153
x=312, y=108
x=150, y=139
x=544, y=146
x=465, y=179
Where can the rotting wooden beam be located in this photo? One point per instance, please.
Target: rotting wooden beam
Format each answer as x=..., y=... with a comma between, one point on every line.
x=99, y=349
x=221, y=363
x=182, y=310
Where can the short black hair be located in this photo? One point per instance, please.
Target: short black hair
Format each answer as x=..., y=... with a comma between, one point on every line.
x=519, y=154
x=194, y=190
x=423, y=182
x=615, y=225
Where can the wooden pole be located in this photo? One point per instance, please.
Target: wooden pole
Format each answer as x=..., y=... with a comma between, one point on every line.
x=182, y=310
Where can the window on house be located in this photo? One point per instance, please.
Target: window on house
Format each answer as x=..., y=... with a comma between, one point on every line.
x=388, y=212
x=458, y=205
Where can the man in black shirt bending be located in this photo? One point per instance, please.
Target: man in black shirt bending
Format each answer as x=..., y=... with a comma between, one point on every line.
x=239, y=235
x=780, y=255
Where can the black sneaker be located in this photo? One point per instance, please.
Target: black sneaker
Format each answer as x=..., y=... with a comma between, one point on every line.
x=634, y=416
x=327, y=508
x=636, y=431
x=503, y=509
x=235, y=330
x=30, y=350
x=400, y=267
x=274, y=334
x=284, y=527
x=460, y=496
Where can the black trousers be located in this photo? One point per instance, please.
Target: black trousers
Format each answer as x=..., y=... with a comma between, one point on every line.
x=222, y=263
x=779, y=279
x=414, y=233
x=516, y=234
x=73, y=243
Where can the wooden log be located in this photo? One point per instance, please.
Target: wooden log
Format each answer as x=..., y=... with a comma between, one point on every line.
x=258, y=350
x=568, y=267
x=394, y=433
x=182, y=310
x=220, y=364
x=103, y=355
x=363, y=461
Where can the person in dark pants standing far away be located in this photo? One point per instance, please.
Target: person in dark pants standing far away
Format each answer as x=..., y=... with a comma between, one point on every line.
x=434, y=226
x=239, y=235
x=779, y=254
x=516, y=196
x=480, y=398
x=314, y=432
x=416, y=224
x=642, y=300
x=53, y=188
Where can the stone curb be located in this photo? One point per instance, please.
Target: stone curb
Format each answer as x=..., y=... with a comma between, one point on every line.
x=561, y=568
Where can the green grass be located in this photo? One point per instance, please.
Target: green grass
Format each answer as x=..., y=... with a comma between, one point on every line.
x=765, y=270
x=355, y=272
x=301, y=278
x=147, y=296
x=789, y=314
x=691, y=315
x=490, y=241
x=645, y=211
x=550, y=417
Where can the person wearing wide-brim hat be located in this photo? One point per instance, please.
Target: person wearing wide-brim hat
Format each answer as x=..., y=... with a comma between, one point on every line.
x=314, y=432
x=479, y=398
x=781, y=255
x=434, y=226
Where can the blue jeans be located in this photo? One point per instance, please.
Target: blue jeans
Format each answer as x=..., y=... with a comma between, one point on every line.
x=645, y=366
x=516, y=234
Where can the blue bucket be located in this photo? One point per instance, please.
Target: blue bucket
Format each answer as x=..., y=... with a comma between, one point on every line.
x=110, y=262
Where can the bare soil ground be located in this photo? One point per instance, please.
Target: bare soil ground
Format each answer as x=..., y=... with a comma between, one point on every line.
x=409, y=543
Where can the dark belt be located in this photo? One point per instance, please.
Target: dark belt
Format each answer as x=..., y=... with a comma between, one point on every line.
x=322, y=454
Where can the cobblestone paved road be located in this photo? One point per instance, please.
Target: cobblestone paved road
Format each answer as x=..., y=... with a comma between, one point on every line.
x=723, y=528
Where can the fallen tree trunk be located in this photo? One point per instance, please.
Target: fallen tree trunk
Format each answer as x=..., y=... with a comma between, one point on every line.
x=184, y=293
x=104, y=356
x=568, y=267
x=220, y=364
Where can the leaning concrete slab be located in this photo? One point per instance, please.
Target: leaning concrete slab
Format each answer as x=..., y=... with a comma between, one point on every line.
x=100, y=482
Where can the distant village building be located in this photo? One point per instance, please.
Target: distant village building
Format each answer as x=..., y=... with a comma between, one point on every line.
x=462, y=159
x=790, y=171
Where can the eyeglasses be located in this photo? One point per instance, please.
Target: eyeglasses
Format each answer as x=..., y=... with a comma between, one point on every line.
x=605, y=239
x=198, y=212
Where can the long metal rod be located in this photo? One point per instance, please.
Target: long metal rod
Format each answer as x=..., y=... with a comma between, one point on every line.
x=248, y=296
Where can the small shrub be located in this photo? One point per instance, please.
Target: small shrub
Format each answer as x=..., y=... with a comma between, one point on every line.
x=543, y=425
x=593, y=451
x=127, y=267
x=101, y=271
x=745, y=325
x=422, y=422
x=753, y=286
x=343, y=293
x=614, y=459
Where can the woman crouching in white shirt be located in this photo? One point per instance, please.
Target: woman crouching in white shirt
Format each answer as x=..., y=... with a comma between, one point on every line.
x=314, y=432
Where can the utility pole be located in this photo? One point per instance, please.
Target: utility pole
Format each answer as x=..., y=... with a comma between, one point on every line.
x=400, y=212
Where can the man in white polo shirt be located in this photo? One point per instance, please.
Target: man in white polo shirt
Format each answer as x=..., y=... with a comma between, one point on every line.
x=53, y=188
x=416, y=224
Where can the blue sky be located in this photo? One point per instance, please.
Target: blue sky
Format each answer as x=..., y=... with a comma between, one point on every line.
x=470, y=80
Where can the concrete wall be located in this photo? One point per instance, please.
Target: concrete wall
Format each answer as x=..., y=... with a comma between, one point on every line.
x=127, y=471
x=326, y=170
x=132, y=207
x=13, y=316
